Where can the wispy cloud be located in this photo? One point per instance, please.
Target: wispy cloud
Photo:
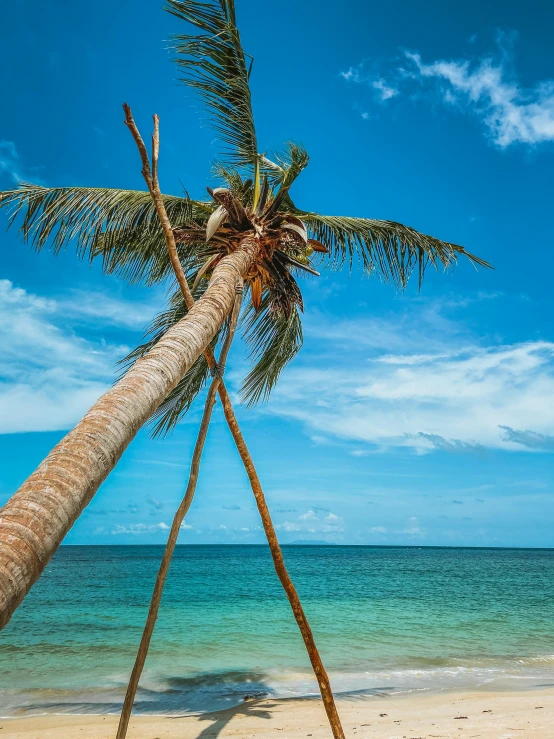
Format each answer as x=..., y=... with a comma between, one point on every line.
x=382, y=89
x=155, y=505
x=13, y=168
x=352, y=74
x=529, y=439
x=459, y=398
x=449, y=445
x=413, y=529
x=130, y=508
x=312, y=522
x=96, y=306
x=140, y=528
x=385, y=92
x=483, y=86
x=510, y=113
x=49, y=374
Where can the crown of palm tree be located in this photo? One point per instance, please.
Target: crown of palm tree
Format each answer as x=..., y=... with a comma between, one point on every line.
x=121, y=228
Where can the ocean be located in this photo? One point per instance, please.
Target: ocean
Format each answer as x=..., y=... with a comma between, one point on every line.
x=386, y=620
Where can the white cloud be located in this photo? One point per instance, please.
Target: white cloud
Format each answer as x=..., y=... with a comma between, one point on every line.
x=378, y=530
x=49, y=375
x=289, y=526
x=483, y=86
x=385, y=91
x=413, y=529
x=511, y=113
x=351, y=75
x=396, y=336
x=312, y=523
x=460, y=398
x=141, y=528
x=98, y=306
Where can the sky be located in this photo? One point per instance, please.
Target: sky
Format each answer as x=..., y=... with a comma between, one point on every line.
x=416, y=418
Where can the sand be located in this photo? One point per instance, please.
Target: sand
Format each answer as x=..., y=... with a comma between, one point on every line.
x=486, y=715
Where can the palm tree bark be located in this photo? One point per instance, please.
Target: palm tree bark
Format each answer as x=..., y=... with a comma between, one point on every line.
x=35, y=520
x=174, y=532
x=151, y=178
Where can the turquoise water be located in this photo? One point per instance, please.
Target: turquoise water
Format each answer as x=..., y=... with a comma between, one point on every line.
x=385, y=620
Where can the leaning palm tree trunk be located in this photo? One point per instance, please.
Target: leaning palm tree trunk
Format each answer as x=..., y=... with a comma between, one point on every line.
x=174, y=532
x=35, y=520
x=150, y=175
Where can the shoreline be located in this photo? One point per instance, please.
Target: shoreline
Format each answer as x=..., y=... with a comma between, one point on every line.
x=484, y=714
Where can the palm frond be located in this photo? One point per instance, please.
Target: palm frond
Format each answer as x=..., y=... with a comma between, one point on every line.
x=275, y=338
x=286, y=165
x=232, y=178
x=120, y=227
x=213, y=63
x=386, y=248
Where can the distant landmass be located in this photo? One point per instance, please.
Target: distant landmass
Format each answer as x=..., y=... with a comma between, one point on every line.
x=313, y=542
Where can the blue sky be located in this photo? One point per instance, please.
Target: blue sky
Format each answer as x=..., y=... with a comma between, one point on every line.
x=417, y=418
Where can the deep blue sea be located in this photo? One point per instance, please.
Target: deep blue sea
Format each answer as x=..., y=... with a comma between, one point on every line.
x=385, y=620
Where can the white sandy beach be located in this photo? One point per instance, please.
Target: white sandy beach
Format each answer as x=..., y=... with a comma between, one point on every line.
x=487, y=715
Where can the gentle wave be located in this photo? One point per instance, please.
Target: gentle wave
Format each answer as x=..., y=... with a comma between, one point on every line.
x=216, y=691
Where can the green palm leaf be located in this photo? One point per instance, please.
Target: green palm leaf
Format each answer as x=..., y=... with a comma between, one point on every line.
x=231, y=178
x=119, y=226
x=275, y=339
x=287, y=165
x=387, y=248
x=213, y=63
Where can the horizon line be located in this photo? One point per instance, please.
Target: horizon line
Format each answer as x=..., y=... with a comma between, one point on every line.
x=328, y=544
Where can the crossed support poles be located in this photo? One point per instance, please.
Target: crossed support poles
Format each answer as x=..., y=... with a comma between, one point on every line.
x=217, y=387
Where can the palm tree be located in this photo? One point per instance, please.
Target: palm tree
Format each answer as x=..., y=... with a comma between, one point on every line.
x=249, y=229
x=150, y=174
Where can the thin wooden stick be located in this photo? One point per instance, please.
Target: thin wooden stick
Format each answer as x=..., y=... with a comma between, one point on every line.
x=151, y=179
x=155, y=150
x=174, y=531
x=284, y=577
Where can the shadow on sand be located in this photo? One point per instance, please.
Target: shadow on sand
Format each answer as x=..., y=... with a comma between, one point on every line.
x=219, y=719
